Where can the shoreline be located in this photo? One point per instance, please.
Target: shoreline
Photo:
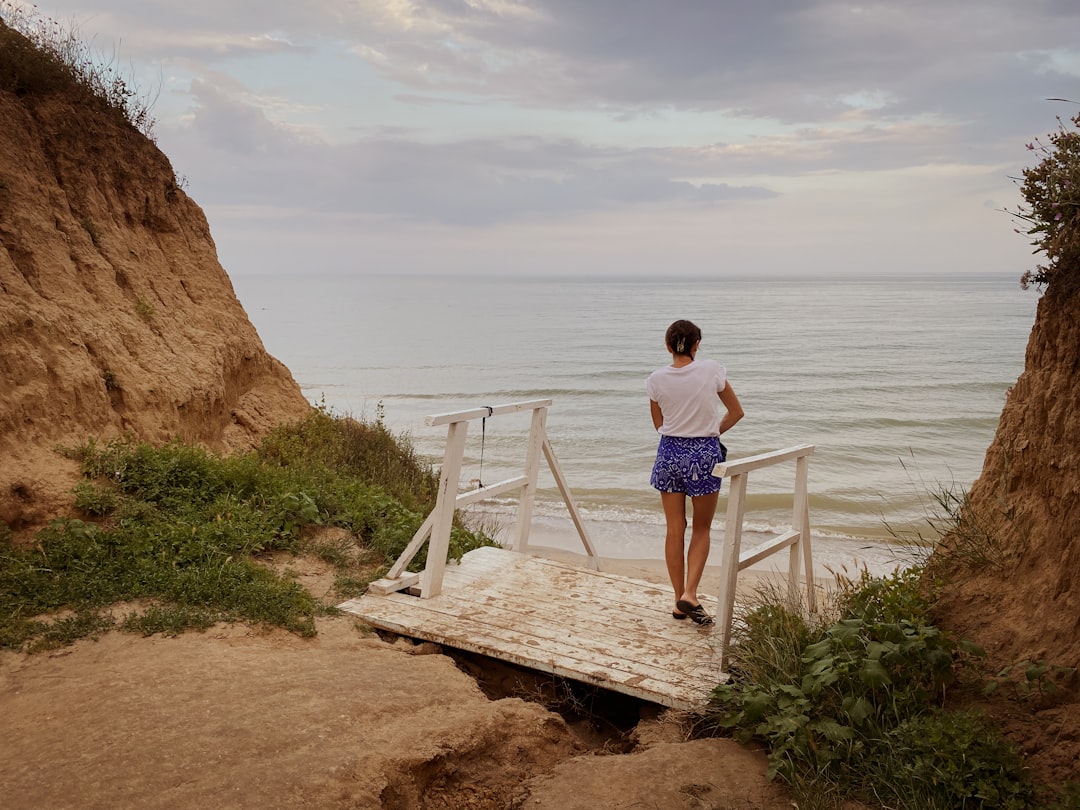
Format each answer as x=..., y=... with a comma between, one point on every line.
x=557, y=539
x=642, y=546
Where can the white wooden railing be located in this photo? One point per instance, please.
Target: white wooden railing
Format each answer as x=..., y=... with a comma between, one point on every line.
x=436, y=528
x=797, y=539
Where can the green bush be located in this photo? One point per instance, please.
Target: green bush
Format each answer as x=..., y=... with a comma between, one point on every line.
x=182, y=527
x=1051, y=190
x=843, y=708
x=367, y=451
x=945, y=760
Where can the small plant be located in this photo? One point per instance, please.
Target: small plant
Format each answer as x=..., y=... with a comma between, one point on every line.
x=366, y=450
x=349, y=587
x=63, y=631
x=170, y=621
x=111, y=383
x=1068, y=798
x=1028, y=680
x=970, y=540
x=915, y=769
x=144, y=309
x=91, y=229
x=173, y=188
x=95, y=499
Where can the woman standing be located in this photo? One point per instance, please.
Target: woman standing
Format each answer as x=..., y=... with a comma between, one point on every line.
x=684, y=397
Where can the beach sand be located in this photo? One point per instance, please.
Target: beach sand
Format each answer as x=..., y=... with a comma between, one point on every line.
x=619, y=554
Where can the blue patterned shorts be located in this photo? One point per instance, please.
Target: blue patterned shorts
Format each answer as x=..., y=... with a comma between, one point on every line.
x=684, y=464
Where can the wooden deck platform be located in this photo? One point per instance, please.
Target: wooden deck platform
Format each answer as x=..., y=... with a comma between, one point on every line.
x=598, y=628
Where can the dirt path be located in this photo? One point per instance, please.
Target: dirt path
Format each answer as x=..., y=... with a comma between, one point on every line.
x=236, y=717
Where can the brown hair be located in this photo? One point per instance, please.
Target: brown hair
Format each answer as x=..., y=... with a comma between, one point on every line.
x=681, y=337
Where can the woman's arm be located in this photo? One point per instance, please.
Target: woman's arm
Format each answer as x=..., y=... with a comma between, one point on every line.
x=734, y=409
x=657, y=416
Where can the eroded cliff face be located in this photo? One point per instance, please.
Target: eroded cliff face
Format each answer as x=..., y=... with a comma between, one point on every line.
x=1012, y=569
x=1028, y=494
x=115, y=314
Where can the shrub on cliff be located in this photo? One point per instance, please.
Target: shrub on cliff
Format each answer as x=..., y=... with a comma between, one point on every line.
x=1052, y=193
x=39, y=57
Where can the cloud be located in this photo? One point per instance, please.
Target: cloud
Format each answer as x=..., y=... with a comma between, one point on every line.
x=629, y=128
x=480, y=181
x=794, y=61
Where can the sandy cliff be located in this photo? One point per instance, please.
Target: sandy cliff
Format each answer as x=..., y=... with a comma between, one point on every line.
x=1013, y=566
x=115, y=314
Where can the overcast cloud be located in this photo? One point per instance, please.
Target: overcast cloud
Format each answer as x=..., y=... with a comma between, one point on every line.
x=590, y=136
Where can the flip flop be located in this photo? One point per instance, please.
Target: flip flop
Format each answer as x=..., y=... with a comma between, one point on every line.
x=695, y=612
x=679, y=616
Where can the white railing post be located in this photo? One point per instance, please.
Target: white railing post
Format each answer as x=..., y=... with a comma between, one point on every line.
x=571, y=505
x=437, y=527
x=800, y=518
x=797, y=539
x=445, y=504
x=537, y=436
x=729, y=565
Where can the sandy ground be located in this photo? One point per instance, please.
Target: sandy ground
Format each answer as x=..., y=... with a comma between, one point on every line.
x=641, y=547
x=241, y=717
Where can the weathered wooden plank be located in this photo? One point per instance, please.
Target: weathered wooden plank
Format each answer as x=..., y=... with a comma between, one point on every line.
x=676, y=694
x=387, y=585
x=594, y=627
x=576, y=652
x=759, y=553
x=739, y=466
x=639, y=642
x=686, y=683
x=571, y=504
x=548, y=586
x=491, y=491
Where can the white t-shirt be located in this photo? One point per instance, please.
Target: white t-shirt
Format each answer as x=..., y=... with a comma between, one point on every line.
x=689, y=397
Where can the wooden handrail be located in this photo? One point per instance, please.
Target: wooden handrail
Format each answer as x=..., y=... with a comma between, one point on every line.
x=797, y=540
x=484, y=412
x=745, y=465
x=436, y=528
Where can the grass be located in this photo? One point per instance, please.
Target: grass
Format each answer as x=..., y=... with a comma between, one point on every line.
x=963, y=537
x=185, y=533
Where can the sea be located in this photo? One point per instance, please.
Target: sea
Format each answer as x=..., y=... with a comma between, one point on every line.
x=898, y=383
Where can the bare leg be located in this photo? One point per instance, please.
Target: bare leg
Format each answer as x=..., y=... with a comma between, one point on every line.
x=675, y=516
x=698, y=555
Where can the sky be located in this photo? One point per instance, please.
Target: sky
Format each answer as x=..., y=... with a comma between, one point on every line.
x=668, y=138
